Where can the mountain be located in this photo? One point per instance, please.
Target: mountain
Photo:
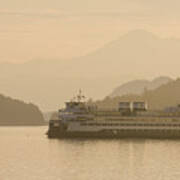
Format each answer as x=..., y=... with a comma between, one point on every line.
x=138, y=86
x=14, y=112
x=164, y=96
x=49, y=83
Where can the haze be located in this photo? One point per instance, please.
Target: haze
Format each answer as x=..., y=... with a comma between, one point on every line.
x=50, y=49
x=64, y=29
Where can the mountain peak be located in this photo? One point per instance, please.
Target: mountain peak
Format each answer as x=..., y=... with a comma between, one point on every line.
x=139, y=35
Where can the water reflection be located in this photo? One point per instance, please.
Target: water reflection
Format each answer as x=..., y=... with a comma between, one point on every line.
x=26, y=153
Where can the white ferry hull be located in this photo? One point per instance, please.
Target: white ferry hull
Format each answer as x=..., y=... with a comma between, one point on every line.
x=158, y=134
x=60, y=132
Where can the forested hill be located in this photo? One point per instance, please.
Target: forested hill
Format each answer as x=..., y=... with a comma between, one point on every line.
x=137, y=86
x=164, y=96
x=15, y=112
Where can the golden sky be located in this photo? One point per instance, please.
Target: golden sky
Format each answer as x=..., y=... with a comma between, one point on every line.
x=39, y=29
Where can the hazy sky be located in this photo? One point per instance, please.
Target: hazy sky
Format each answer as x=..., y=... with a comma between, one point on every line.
x=63, y=29
x=60, y=29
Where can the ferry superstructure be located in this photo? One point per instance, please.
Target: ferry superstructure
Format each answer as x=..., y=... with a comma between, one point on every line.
x=130, y=120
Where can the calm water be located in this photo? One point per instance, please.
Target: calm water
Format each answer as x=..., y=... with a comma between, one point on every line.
x=26, y=154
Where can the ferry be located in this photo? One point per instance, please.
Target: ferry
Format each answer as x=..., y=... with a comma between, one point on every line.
x=130, y=120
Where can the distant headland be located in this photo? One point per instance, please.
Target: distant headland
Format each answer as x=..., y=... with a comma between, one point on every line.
x=17, y=113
